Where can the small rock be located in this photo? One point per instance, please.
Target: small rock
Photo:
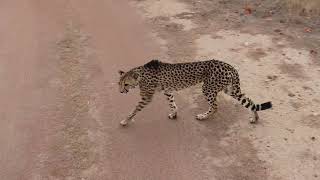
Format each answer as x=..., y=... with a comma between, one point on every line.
x=277, y=30
x=291, y=94
x=286, y=139
x=272, y=77
x=315, y=175
x=306, y=88
x=247, y=10
x=315, y=114
x=308, y=30
x=313, y=138
x=246, y=43
x=282, y=21
x=313, y=52
x=290, y=130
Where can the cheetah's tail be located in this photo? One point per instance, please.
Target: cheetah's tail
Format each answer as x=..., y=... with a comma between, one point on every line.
x=246, y=102
x=264, y=106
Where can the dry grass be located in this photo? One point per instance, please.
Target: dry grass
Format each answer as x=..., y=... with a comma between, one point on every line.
x=304, y=6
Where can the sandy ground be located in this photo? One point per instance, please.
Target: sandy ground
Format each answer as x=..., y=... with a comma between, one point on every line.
x=60, y=108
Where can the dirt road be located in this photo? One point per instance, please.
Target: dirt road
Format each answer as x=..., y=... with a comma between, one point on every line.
x=60, y=105
x=61, y=108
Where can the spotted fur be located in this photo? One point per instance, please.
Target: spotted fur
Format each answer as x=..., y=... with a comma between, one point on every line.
x=215, y=75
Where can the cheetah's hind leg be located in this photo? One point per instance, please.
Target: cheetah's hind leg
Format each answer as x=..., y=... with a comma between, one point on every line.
x=172, y=104
x=212, y=107
x=255, y=117
x=228, y=90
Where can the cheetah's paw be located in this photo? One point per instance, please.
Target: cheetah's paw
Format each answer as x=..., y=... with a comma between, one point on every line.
x=173, y=115
x=254, y=119
x=201, y=117
x=124, y=123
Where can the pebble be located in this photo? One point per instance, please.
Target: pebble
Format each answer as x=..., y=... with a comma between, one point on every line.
x=277, y=30
x=272, y=77
x=291, y=94
x=290, y=130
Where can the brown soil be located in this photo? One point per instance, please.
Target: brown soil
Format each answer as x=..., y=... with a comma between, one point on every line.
x=60, y=108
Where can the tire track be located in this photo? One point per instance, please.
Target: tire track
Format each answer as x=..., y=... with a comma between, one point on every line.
x=72, y=151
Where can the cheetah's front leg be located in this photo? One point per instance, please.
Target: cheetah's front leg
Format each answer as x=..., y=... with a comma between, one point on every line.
x=146, y=99
x=172, y=104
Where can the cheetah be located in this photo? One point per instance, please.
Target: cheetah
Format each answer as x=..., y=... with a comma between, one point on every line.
x=156, y=76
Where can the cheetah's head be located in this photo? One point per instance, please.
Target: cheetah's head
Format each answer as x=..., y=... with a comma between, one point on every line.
x=128, y=80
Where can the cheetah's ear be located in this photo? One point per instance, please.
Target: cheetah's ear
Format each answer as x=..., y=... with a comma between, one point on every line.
x=121, y=72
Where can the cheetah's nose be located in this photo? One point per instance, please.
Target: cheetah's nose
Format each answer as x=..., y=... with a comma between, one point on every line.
x=124, y=91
